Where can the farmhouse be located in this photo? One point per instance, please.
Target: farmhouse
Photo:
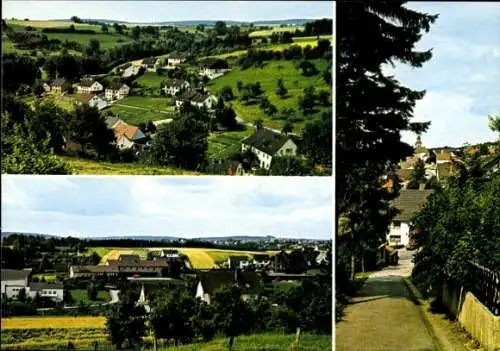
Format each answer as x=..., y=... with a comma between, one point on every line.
x=211, y=281
x=234, y=262
x=408, y=203
x=196, y=99
x=213, y=68
x=13, y=280
x=261, y=260
x=117, y=91
x=88, y=85
x=54, y=291
x=175, y=59
x=267, y=144
x=128, y=136
x=175, y=86
x=91, y=100
x=124, y=265
x=59, y=85
x=150, y=64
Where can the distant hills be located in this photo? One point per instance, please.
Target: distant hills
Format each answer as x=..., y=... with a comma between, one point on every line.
x=160, y=238
x=295, y=21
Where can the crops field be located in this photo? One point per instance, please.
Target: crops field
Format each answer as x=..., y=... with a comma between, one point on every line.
x=150, y=79
x=277, y=29
x=293, y=79
x=135, y=116
x=56, y=322
x=89, y=167
x=200, y=258
x=51, y=24
x=223, y=144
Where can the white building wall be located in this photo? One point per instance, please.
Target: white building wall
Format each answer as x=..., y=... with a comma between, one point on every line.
x=288, y=149
x=403, y=231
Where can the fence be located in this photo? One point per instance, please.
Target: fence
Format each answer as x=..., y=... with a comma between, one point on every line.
x=485, y=285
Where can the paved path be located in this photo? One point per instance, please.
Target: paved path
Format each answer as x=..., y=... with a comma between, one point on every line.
x=383, y=316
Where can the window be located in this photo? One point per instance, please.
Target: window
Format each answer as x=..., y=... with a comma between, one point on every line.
x=396, y=224
x=289, y=151
x=395, y=238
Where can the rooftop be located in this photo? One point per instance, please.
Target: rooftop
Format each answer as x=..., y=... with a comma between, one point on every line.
x=266, y=140
x=409, y=202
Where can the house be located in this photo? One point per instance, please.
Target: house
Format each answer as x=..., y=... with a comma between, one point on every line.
x=213, y=68
x=237, y=262
x=444, y=157
x=130, y=71
x=196, y=99
x=444, y=171
x=54, y=291
x=150, y=63
x=116, y=91
x=408, y=203
x=261, y=260
x=211, y=281
x=13, y=280
x=112, y=121
x=59, y=85
x=124, y=265
x=88, y=86
x=175, y=86
x=46, y=87
x=175, y=59
x=267, y=144
x=128, y=136
x=91, y=100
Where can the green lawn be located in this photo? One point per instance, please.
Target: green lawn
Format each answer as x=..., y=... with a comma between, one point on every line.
x=261, y=342
x=64, y=101
x=150, y=79
x=81, y=295
x=135, y=116
x=223, y=144
x=268, y=76
x=158, y=103
x=89, y=167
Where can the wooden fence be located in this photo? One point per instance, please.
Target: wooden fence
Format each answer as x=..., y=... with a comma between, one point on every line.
x=484, y=283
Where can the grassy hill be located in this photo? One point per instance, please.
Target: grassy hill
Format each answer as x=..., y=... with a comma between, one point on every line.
x=89, y=167
x=293, y=79
x=223, y=144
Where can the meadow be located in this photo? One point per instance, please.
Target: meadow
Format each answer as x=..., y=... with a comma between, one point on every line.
x=82, y=295
x=223, y=144
x=199, y=258
x=89, y=167
x=275, y=29
x=293, y=79
x=150, y=79
x=156, y=103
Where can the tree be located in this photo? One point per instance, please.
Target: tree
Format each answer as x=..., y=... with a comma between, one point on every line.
x=258, y=123
x=239, y=85
x=76, y=19
x=417, y=176
x=38, y=89
x=220, y=28
x=136, y=32
x=104, y=28
x=200, y=28
x=281, y=91
x=324, y=98
x=182, y=143
x=92, y=292
x=67, y=297
x=126, y=322
x=227, y=93
x=22, y=295
x=233, y=315
x=93, y=48
x=204, y=321
x=22, y=153
x=288, y=166
x=372, y=111
x=306, y=101
x=226, y=117
x=287, y=128
x=308, y=68
x=118, y=29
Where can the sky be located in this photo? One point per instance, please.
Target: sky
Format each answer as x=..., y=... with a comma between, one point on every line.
x=462, y=80
x=286, y=207
x=161, y=11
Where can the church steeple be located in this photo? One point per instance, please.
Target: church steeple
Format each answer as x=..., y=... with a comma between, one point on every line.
x=418, y=143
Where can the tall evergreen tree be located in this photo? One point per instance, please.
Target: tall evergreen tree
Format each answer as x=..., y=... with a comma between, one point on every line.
x=373, y=108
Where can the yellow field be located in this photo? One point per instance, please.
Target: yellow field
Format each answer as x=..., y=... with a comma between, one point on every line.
x=53, y=322
x=51, y=24
x=269, y=32
x=200, y=258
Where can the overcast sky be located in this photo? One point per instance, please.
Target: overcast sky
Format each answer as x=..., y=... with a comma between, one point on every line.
x=160, y=11
x=174, y=206
x=462, y=79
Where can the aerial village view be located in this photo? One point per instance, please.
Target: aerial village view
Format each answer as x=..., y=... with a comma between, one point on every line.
x=140, y=271
x=417, y=173
x=156, y=92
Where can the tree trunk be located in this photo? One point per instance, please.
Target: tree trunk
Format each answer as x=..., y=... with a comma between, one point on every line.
x=297, y=335
x=154, y=344
x=353, y=258
x=230, y=343
x=362, y=261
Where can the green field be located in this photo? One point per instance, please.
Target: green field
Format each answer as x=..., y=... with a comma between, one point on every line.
x=135, y=116
x=84, y=339
x=268, y=76
x=223, y=144
x=157, y=103
x=150, y=79
x=82, y=295
x=106, y=40
x=89, y=167
x=276, y=29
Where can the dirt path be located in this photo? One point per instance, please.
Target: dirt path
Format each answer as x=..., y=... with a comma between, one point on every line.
x=384, y=316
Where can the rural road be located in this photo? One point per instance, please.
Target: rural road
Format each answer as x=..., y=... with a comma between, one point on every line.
x=384, y=316
x=146, y=109
x=248, y=124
